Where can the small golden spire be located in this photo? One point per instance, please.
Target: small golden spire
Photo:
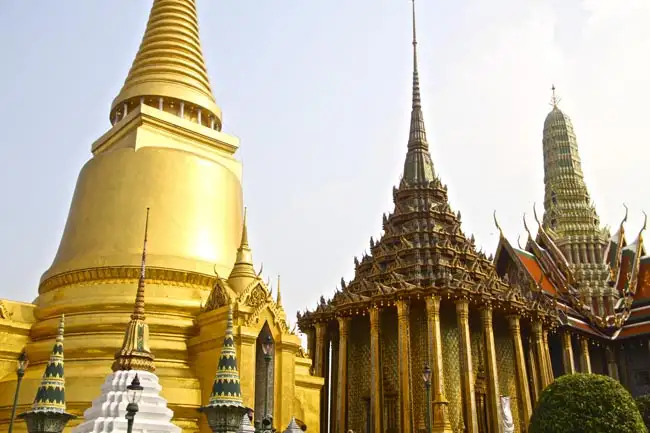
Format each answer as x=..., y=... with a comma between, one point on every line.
x=278, y=300
x=135, y=353
x=243, y=272
x=554, y=98
x=169, y=63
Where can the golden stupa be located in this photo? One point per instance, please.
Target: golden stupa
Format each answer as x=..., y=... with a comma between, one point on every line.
x=165, y=150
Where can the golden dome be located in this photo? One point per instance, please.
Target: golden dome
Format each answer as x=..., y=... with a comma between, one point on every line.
x=169, y=64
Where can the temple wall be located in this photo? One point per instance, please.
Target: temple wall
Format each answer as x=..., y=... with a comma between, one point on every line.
x=636, y=356
x=389, y=354
x=506, y=368
x=598, y=363
x=419, y=357
x=358, y=373
x=451, y=364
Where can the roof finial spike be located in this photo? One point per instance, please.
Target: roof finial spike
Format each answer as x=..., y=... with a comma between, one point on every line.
x=279, y=294
x=496, y=223
x=244, y=232
x=554, y=98
x=138, y=309
x=417, y=101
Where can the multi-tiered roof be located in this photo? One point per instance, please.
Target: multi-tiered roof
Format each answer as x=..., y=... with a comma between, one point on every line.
x=422, y=247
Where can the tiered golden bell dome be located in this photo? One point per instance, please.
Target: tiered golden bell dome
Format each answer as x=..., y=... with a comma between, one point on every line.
x=169, y=65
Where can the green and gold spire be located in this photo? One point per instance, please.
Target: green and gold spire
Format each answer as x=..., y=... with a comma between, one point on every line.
x=48, y=410
x=135, y=353
x=50, y=396
x=226, y=390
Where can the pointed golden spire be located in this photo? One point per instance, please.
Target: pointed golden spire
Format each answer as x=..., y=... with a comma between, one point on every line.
x=278, y=300
x=135, y=353
x=242, y=273
x=169, y=67
x=418, y=167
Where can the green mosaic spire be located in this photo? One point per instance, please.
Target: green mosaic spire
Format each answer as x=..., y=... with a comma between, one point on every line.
x=226, y=390
x=50, y=396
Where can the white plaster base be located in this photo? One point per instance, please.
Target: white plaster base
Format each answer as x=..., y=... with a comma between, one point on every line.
x=107, y=414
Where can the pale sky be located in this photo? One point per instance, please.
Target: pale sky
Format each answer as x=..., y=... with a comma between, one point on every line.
x=319, y=94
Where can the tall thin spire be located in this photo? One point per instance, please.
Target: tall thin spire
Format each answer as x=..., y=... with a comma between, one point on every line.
x=418, y=167
x=135, y=353
x=170, y=64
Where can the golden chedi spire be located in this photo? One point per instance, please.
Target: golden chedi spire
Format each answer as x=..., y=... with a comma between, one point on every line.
x=135, y=353
x=243, y=272
x=169, y=67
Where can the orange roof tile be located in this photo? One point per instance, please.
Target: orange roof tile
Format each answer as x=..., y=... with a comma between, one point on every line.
x=535, y=271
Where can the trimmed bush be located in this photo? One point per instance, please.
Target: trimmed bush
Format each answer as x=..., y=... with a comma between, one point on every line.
x=586, y=403
x=643, y=403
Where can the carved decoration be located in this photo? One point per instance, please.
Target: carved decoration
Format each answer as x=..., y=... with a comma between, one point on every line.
x=4, y=313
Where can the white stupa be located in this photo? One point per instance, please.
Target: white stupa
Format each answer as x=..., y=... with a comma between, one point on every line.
x=108, y=412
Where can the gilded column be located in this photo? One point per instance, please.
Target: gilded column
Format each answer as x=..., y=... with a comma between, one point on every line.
x=534, y=372
x=612, y=366
x=334, y=382
x=540, y=355
x=441, y=422
x=567, y=354
x=319, y=355
x=547, y=356
x=376, y=400
x=520, y=368
x=493, y=376
x=585, y=361
x=404, y=363
x=319, y=368
x=342, y=392
x=467, y=373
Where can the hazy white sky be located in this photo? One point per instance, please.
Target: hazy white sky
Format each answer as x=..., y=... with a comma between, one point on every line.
x=319, y=94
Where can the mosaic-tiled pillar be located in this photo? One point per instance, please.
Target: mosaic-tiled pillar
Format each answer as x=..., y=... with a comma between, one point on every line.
x=534, y=373
x=467, y=373
x=319, y=369
x=523, y=389
x=376, y=400
x=567, y=354
x=404, y=365
x=540, y=355
x=547, y=357
x=585, y=360
x=491, y=370
x=441, y=422
x=342, y=376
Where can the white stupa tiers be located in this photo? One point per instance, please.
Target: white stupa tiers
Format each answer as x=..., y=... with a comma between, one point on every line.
x=108, y=412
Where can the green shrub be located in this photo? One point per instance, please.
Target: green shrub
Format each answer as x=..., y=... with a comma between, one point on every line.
x=643, y=403
x=586, y=403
